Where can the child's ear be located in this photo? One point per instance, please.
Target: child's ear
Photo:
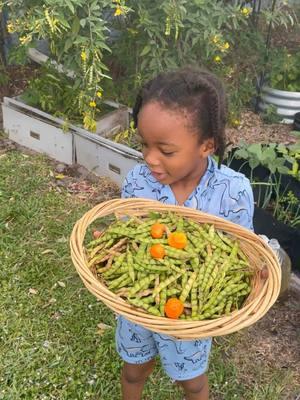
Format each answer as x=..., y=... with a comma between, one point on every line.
x=208, y=147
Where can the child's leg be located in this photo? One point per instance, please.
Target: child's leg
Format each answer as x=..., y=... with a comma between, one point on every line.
x=196, y=388
x=133, y=379
x=186, y=362
x=137, y=348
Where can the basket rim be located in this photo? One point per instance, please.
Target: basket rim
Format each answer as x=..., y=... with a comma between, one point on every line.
x=247, y=315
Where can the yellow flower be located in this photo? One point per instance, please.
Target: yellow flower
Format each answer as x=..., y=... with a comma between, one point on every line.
x=236, y=122
x=10, y=28
x=24, y=39
x=215, y=39
x=118, y=11
x=83, y=56
x=246, y=11
x=226, y=45
x=92, y=104
x=217, y=59
x=99, y=94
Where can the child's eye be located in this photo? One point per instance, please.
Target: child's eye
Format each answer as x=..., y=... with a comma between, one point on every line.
x=168, y=153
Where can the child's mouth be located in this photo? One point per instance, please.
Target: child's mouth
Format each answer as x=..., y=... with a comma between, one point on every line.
x=159, y=175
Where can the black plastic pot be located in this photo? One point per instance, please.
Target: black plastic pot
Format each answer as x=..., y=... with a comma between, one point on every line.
x=288, y=237
x=296, y=124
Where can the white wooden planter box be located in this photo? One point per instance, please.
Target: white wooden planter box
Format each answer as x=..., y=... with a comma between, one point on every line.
x=44, y=133
x=37, y=130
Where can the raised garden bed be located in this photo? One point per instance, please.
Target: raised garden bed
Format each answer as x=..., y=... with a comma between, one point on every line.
x=44, y=133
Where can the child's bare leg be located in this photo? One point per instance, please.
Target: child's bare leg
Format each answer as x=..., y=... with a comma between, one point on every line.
x=133, y=379
x=196, y=388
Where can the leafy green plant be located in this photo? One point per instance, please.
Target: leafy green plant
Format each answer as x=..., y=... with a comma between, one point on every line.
x=217, y=35
x=77, y=32
x=291, y=153
x=262, y=154
x=54, y=93
x=279, y=160
x=128, y=137
x=287, y=209
x=285, y=70
x=270, y=116
x=138, y=39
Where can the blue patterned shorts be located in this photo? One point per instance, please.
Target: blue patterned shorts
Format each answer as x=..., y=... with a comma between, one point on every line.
x=182, y=360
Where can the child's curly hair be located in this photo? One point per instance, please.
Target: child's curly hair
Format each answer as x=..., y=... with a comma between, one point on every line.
x=197, y=91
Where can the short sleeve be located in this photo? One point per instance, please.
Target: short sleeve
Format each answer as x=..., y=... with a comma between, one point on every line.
x=127, y=187
x=244, y=206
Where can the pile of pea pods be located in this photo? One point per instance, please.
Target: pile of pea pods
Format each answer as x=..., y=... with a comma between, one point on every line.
x=211, y=275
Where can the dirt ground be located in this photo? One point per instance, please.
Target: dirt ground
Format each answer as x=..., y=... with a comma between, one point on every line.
x=274, y=340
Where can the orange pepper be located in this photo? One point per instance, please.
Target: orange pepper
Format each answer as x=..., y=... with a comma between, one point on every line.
x=174, y=308
x=177, y=240
x=157, y=230
x=157, y=251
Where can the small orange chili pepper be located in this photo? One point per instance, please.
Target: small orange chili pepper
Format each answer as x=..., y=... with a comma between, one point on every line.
x=157, y=251
x=177, y=240
x=157, y=230
x=174, y=308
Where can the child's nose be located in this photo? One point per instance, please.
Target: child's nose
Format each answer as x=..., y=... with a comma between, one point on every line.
x=151, y=158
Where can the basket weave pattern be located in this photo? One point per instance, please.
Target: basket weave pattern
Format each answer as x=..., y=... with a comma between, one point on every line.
x=263, y=294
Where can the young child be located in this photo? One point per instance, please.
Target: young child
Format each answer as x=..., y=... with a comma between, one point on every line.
x=180, y=117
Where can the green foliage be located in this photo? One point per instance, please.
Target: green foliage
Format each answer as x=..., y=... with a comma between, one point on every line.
x=54, y=93
x=285, y=70
x=78, y=34
x=263, y=154
x=128, y=137
x=138, y=39
x=270, y=116
x=279, y=159
x=216, y=35
x=288, y=210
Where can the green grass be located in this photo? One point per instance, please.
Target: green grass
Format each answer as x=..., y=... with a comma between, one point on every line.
x=49, y=344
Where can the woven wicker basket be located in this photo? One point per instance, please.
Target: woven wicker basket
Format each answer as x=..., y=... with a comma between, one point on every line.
x=262, y=296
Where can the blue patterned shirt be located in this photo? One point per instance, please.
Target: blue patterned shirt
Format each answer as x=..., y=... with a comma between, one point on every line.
x=222, y=192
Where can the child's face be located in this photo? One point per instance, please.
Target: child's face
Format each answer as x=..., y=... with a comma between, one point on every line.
x=171, y=149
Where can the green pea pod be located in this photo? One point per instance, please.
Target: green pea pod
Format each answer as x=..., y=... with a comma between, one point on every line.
x=166, y=283
x=194, y=300
x=162, y=302
x=145, y=305
x=188, y=287
x=116, y=282
x=130, y=262
x=143, y=284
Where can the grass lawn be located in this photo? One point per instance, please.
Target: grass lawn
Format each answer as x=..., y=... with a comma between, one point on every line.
x=50, y=345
